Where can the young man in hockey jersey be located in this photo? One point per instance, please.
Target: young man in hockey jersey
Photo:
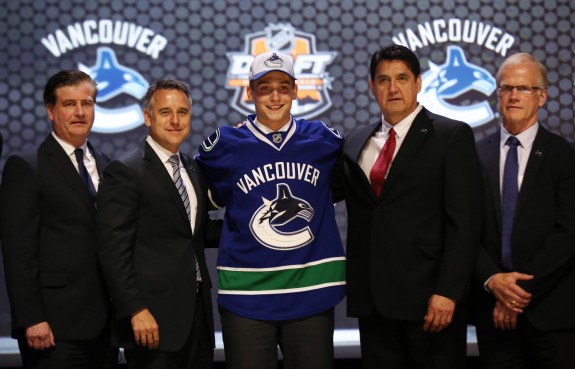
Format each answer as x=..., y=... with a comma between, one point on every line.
x=281, y=261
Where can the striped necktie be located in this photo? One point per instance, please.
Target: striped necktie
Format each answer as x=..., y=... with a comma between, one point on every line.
x=177, y=177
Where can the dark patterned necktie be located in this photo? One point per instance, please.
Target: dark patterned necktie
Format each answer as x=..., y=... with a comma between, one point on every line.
x=79, y=153
x=509, y=195
x=175, y=161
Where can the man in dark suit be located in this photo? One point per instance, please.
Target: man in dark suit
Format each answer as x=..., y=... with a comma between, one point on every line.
x=152, y=210
x=412, y=223
x=57, y=295
x=525, y=274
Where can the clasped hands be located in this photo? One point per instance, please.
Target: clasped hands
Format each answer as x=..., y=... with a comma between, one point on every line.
x=511, y=298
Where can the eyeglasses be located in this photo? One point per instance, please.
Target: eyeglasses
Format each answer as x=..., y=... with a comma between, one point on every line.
x=523, y=90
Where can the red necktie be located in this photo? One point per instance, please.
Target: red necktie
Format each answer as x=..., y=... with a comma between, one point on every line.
x=381, y=166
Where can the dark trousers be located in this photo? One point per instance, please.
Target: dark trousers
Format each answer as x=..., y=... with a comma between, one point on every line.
x=197, y=352
x=305, y=343
x=82, y=354
x=400, y=344
x=525, y=347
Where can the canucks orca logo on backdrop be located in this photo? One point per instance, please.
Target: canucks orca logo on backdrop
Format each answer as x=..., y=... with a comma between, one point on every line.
x=310, y=66
x=114, y=79
x=455, y=79
x=271, y=222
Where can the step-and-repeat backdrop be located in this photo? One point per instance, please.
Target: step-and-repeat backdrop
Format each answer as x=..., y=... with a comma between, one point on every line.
x=210, y=44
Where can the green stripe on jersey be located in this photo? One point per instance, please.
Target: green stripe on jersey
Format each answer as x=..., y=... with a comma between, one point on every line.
x=284, y=279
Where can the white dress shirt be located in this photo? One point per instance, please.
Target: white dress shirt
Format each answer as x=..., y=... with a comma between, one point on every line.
x=164, y=156
x=375, y=143
x=89, y=160
x=526, y=139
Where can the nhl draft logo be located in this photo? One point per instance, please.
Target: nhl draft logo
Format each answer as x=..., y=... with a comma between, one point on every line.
x=280, y=224
x=310, y=65
x=457, y=80
x=114, y=79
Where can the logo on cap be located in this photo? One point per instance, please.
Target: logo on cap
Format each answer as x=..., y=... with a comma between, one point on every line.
x=274, y=61
x=271, y=61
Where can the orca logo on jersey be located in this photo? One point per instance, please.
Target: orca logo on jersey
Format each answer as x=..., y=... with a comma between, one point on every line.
x=211, y=141
x=279, y=213
x=332, y=130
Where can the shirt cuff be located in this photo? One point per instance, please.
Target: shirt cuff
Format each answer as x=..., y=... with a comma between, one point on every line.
x=486, y=282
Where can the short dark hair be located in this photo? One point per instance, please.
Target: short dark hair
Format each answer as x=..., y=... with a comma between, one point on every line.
x=66, y=78
x=165, y=84
x=395, y=52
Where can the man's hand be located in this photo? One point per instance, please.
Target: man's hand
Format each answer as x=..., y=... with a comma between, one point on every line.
x=39, y=336
x=439, y=313
x=503, y=317
x=506, y=290
x=146, y=332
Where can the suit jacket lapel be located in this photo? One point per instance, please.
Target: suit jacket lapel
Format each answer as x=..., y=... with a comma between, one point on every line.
x=360, y=140
x=60, y=160
x=420, y=129
x=191, y=170
x=158, y=170
x=354, y=146
x=534, y=164
x=493, y=172
x=101, y=160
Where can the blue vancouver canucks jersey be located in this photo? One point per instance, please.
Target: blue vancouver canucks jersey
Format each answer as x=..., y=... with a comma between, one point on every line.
x=280, y=254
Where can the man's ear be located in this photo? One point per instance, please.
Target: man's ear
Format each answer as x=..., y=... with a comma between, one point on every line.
x=147, y=118
x=249, y=93
x=49, y=108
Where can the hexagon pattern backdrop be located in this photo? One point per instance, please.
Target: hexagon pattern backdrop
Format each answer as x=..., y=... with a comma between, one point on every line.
x=209, y=44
